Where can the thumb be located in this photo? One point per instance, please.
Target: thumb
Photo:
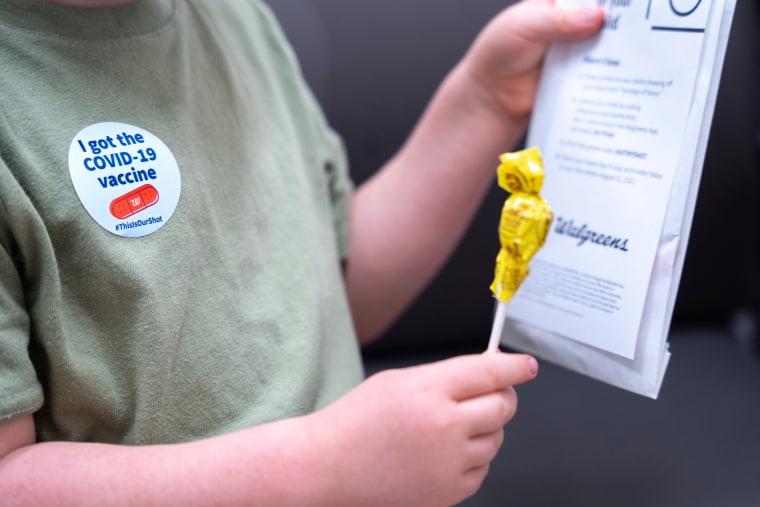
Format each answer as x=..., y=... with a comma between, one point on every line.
x=473, y=375
x=540, y=21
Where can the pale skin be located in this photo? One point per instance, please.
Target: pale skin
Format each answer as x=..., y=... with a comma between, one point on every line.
x=421, y=436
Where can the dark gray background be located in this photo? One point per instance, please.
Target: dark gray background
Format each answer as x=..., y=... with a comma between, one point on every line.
x=374, y=65
x=574, y=442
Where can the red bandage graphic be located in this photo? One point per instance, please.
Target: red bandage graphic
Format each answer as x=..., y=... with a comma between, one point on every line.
x=134, y=201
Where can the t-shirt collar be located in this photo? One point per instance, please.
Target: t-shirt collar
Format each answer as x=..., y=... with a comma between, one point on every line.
x=134, y=18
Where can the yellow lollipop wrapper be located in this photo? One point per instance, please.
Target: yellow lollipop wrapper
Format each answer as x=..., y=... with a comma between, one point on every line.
x=524, y=225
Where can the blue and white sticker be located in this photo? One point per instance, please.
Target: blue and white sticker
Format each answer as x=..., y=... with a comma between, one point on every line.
x=126, y=178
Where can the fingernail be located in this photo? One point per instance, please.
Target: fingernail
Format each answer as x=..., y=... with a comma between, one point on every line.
x=532, y=365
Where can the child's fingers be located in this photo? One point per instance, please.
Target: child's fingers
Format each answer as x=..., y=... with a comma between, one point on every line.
x=466, y=377
x=490, y=412
x=540, y=21
x=483, y=449
x=475, y=476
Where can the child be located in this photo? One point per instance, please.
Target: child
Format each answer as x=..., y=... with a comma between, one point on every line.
x=186, y=272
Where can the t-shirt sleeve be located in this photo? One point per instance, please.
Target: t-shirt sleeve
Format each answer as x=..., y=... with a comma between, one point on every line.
x=341, y=188
x=334, y=155
x=20, y=391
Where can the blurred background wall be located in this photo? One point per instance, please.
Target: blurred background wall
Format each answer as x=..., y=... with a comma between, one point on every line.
x=575, y=442
x=374, y=64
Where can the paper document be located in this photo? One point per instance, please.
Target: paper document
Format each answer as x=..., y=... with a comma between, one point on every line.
x=622, y=123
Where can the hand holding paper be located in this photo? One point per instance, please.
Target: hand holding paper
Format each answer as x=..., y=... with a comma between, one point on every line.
x=525, y=221
x=622, y=122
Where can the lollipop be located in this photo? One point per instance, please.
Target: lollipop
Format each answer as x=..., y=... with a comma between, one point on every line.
x=525, y=221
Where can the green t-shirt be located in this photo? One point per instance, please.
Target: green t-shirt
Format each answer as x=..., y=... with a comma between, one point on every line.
x=231, y=311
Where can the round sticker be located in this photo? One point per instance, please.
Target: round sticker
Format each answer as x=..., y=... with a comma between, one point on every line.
x=127, y=178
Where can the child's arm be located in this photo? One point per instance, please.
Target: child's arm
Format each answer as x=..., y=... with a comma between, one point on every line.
x=421, y=436
x=407, y=219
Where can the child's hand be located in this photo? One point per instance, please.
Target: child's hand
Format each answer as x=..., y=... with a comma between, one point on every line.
x=505, y=60
x=421, y=436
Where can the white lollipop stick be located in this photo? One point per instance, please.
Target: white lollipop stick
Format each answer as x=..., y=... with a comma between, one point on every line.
x=498, y=326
